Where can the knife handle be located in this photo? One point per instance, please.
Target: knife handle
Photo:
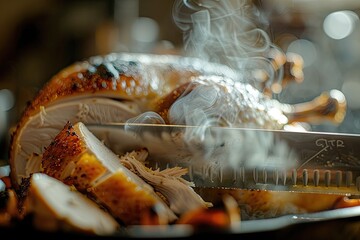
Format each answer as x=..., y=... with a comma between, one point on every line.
x=329, y=106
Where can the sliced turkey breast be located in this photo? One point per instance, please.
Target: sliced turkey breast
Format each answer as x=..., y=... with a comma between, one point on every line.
x=111, y=88
x=178, y=192
x=181, y=90
x=56, y=207
x=37, y=133
x=124, y=87
x=78, y=158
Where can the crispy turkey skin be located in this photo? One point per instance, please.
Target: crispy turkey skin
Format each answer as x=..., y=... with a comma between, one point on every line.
x=110, y=88
x=78, y=158
x=122, y=87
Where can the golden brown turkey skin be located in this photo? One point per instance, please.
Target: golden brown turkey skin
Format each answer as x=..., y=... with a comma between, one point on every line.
x=222, y=101
x=123, y=198
x=77, y=158
x=64, y=149
x=125, y=77
x=130, y=84
x=164, y=104
x=262, y=204
x=152, y=83
x=119, y=77
x=65, y=159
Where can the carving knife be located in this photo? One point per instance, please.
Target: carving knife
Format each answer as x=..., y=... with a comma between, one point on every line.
x=276, y=160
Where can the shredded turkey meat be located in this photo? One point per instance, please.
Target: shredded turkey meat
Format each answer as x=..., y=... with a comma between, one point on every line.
x=178, y=192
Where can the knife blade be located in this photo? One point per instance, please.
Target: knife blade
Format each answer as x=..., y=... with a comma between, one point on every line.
x=245, y=158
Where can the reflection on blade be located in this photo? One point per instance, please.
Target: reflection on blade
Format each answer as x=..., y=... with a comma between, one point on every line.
x=245, y=158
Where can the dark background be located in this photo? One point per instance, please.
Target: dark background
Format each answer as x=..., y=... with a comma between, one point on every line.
x=40, y=37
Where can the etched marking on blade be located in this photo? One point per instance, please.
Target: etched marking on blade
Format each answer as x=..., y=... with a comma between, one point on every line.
x=313, y=157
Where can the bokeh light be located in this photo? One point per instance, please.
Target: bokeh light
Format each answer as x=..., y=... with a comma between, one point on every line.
x=6, y=100
x=305, y=49
x=351, y=89
x=338, y=25
x=145, y=30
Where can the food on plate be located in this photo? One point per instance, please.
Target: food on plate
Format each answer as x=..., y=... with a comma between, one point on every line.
x=78, y=158
x=135, y=194
x=55, y=206
x=52, y=145
x=222, y=215
x=168, y=182
x=224, y=102
x=127, y=87
x=124, y=186
x=257, y=204
x=235, y=104
x=127, y=188
x=111, y=88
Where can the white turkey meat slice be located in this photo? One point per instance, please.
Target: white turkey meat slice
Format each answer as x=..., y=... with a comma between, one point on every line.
x=42, y=127
x=54, y=206
x=78, y=158
x=135, y=81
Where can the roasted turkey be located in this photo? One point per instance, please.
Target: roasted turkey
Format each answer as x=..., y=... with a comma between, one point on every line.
x=122, y=185
x=51, y=136
x=128, y=87
x=112, y=88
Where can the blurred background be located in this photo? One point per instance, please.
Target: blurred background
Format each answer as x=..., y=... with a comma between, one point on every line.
x=40, y=37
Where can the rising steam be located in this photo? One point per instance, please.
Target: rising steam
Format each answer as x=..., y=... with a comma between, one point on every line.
x=225, y=32
x=229, y=32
